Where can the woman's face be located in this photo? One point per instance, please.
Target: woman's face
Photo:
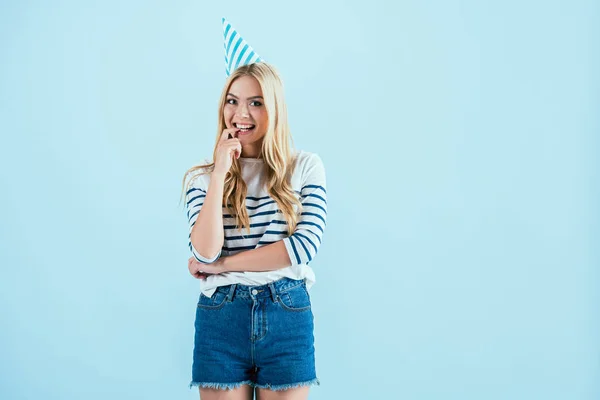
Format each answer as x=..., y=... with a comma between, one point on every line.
x=244, y=106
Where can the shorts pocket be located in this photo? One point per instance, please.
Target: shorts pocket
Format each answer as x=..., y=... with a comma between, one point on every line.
x=295, y=299
x=216, y=301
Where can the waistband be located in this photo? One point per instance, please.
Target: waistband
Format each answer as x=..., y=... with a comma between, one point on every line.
x=256, y=292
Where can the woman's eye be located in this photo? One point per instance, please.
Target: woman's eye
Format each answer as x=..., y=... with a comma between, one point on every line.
x=256, y=103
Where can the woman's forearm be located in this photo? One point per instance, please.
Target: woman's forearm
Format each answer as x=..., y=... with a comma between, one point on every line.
x=207, y=234
x=265, y=258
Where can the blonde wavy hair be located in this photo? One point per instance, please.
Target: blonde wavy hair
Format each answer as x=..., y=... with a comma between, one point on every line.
x=276, y=152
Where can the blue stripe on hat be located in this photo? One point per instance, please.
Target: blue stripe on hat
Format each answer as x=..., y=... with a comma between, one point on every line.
x=233, y=35
x=247, y=60
x=237, y=63
x=227, y=30
x=231, y=57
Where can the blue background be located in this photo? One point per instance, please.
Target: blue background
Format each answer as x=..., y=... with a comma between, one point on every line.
x=460, y=140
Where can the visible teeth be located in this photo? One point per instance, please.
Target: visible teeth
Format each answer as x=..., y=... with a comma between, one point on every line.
x=243, y=126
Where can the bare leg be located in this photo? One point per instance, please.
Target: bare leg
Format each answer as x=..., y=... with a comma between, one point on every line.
x=299, y=393
x=244, y=392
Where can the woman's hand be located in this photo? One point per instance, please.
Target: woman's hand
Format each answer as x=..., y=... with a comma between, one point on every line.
x=202, y=271
x=226, y=150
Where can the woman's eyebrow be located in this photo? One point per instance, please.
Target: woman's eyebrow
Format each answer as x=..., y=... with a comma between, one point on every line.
x=252, y=97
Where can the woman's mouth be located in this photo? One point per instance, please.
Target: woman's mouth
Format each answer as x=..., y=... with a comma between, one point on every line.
x=244, y=129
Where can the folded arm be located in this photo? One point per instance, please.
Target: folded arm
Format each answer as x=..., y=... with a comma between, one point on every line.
x=205, y=217
x=302, y=245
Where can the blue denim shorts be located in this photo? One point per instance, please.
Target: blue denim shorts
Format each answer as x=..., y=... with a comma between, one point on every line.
x=261, y=336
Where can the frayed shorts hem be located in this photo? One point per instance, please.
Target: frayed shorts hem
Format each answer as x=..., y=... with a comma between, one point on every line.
x=312, y=382
x=216, y=385
x=235, y=385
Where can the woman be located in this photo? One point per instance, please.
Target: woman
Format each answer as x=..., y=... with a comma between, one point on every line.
x=256, y=216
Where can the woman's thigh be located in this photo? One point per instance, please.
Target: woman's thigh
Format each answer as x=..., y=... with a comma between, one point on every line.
x=299, y=393
x=244, y=392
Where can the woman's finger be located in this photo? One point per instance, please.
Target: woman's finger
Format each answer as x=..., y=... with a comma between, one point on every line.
x=200, y=275
x=225, y=134
x=234, y=149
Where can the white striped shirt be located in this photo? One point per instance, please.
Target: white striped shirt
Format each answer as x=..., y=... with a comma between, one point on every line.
x=267, y=224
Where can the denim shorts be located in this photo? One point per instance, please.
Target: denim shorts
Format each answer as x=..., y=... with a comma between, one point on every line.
x=261, y=336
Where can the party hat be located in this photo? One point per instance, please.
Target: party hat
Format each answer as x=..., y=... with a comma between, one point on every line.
x=237, y=51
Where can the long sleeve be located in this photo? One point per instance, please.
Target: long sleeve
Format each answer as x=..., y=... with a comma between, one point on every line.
x=194, y=198
x=303, y=244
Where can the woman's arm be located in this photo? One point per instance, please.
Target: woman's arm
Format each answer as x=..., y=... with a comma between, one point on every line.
x=303, y=244
x=300, y=247
x=265, y=258
x=207, y=234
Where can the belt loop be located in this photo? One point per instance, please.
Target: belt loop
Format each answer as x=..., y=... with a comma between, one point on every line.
x=231, y=291
x=273, y=292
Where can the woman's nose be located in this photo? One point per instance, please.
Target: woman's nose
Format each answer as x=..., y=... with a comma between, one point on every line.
x=242, y=111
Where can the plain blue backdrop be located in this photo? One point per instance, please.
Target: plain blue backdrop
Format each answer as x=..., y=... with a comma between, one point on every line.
x=460, y=140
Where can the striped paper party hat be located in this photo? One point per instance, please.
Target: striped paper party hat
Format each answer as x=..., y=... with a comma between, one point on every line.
x=237, y=51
